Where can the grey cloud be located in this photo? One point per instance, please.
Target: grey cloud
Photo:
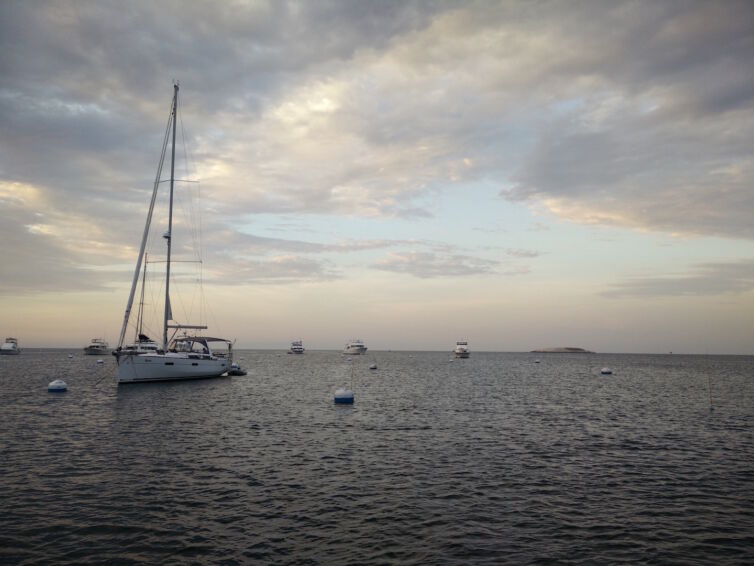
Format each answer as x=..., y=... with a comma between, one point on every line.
x=279, y=270
x=693, y=179
x=706, y=279
x=232, y=241
x=672, y=154
x=521, y=253
x=427, y=265
x=34, y=262
x=85, y=88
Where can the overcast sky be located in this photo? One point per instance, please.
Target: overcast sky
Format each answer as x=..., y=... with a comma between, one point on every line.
x=520, y=175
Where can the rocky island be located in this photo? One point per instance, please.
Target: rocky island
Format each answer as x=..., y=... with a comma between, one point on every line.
x=563, y=350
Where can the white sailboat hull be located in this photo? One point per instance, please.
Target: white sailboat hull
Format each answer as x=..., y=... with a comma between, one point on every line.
x=161, y=367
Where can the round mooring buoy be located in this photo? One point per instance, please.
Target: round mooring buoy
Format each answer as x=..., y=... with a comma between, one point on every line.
x=57, y=386
x=373, y=366
x=606, y=371
x=344, y=396
x=100, y=361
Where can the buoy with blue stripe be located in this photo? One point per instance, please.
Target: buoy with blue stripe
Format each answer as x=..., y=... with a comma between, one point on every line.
x=344, y=396
x=606, y=371
x=57, y=386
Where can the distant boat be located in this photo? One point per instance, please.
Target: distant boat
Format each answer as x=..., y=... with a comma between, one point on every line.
x=96, y=346
x=355, y=347
x=462, y=349
x=179, y=357
x=142, y=345
x=606, y=371
x=10, y=347
x=297, y=347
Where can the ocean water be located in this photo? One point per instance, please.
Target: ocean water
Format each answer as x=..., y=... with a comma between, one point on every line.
x=495, y=459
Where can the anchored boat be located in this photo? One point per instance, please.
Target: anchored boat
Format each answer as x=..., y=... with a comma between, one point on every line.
x=355, y=347
x=96, y=347
x=180, y=357
x=10, y=347
x=462, y=349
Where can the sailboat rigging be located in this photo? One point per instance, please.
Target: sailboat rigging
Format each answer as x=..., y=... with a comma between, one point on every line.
x=184, y=357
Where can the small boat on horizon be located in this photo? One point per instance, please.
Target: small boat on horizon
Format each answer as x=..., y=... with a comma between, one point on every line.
x=462, y=349
x=10, y=347
x=297, y=347
x=96, y=346
x=355, y=347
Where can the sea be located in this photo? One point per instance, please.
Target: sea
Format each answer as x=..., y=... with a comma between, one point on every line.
x=502, y=458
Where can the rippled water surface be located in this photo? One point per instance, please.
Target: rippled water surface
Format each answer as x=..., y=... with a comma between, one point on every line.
x=494, y=459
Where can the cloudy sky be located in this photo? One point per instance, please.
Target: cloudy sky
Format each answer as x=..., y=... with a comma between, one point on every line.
x=521, y=175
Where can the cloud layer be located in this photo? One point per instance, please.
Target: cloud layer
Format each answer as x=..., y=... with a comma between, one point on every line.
x=635, y=114
x=707, y=279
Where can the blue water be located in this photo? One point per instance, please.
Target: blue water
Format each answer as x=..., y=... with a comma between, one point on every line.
x=494, y=459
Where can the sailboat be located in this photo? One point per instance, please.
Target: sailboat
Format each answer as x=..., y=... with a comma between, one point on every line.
x=181, y=357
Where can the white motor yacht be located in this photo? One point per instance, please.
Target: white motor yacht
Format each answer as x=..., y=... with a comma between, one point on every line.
x=462, y=349
x=96, y=347
x=10, y=347
x=355, y=347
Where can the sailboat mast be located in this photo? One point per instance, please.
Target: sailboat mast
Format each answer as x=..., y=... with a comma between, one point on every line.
x=169, y=235
x=127, y=314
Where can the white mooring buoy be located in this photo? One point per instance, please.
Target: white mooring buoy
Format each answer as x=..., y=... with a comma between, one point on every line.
x=70, y=356
x=606, y=371
x=100, y=361
x=344, y=396
x=373, y=366
x=57, y=386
